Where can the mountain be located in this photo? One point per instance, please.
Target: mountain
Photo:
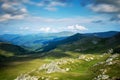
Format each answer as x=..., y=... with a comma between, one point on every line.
x=48, y=41
x=8, y=51
x=33, y=41
x=104, y=34
x=68, y=40
x=53, y=44
x=12, y=48
x=84, y=44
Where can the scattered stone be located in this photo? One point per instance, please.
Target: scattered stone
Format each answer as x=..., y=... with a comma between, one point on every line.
x=83, y=57
x=62, y=62
x=51, y=67
x=110, y=51
x=26, y=77
x=42, y=78
x=99, y=63
x=67, y=69
x=114, y=56
x=65, y=61
x=101, y=77
x=103, y=71
x=110, y=61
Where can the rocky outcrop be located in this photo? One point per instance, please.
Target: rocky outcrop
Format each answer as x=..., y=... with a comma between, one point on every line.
x=51, y=67
x=26, y=77
x=102, y=77
x=83, y=57
x=103, y=73
x=100, y=69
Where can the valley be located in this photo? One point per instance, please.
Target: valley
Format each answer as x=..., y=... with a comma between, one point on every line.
x=59, y=39
x=76, y=57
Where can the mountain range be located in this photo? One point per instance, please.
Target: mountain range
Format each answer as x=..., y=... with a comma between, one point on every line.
x=81, y=43
x=84, y=55
x=33, y=41
x=46, y=42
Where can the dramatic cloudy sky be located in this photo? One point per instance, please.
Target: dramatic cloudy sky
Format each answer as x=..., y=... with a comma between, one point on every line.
x=35, y=16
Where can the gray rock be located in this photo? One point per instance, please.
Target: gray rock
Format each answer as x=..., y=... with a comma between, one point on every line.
x=101, y=77
x=51, y=67
x=26, y=77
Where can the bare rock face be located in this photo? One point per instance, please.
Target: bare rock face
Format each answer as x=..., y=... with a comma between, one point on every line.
x=51, y=67
x=26, y=77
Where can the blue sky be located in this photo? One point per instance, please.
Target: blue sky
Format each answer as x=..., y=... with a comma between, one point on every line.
x=47, y=16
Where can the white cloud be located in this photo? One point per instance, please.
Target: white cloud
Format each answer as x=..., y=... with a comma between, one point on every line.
x=23, y=10
x=50, y=5
x=50, y=8
x=45, y=29
x=12, y=10
x=107, y=8
x=55, y=3
x=6, y=17
x=77, y=28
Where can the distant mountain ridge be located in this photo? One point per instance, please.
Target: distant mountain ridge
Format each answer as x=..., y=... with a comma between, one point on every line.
x=80, y=43
x=12, y=48
x=48, y=41
x=104, y=34
x=33, y=41
x=85, y=43
x=8, y=50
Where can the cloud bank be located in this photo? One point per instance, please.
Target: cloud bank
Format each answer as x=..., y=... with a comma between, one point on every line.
x=12, y=9
x=109, y=7
x=77, y=28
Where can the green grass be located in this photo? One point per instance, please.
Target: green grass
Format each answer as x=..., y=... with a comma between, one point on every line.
x=6, y=53
x=79, y=69
x=14, y=69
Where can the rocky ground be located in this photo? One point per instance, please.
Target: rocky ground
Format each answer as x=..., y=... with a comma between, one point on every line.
x=100, y=66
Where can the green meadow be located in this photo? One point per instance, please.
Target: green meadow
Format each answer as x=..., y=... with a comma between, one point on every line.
x=79, y=69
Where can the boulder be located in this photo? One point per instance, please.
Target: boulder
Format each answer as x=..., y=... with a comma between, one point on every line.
x=51, y=67
x=26, y=77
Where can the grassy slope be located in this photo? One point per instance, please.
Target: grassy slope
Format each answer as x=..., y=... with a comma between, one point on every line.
x=79, y=70
x=13, y=69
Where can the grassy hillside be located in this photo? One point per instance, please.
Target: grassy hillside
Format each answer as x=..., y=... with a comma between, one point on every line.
x=81, y=67
x=8, y=50
x=89, y=58
x=87, y=44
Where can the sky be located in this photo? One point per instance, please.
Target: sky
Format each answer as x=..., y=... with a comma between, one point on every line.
x=51, y=16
